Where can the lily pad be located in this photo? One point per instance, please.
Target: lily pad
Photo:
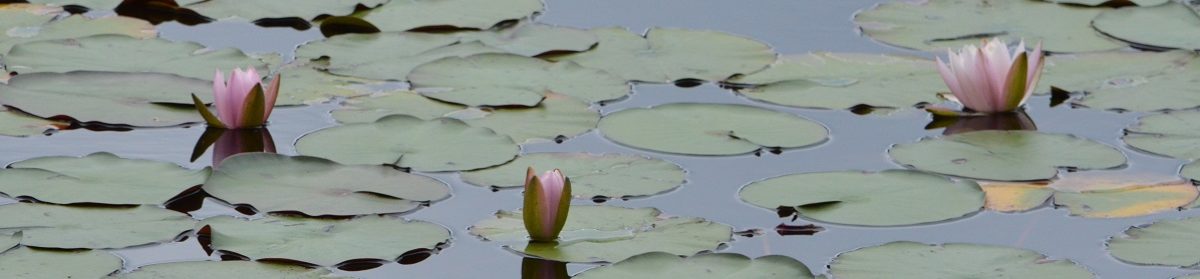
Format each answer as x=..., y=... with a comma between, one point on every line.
x=532, y=39
x=225, y=269
x=710, y=129
x=22, y=16
x=844, y=80
x=31, y=263
x=592, y=175
x=324, y=242
x=389, y=55
x=1182, y=25
x=902, y=260
x=9, y=241
x=304, y=9
x=716, y=266
x=71, y=27
x=1170, y=243
x=506, y=79
x=669, y=54
x=609, y=234
x=1170, y=91
x=1175, y=135
x=119, y=53
x=94, y=96
x=318, y=187
x=62, y=227
x=941, y=24
x=888, y=198
x=1096, y=194
x=1191, y=171
x=468, y=14
x=19, y=124
x=371, y=108
x=435, y=145
x=1094, y=3
x=303, y=84
x=1103, y=71
x=1006, y=155
x=100, y=178
x=1015, y=196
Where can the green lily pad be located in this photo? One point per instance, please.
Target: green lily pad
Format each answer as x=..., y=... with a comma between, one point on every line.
x=1103, y=71
x=389, y=55
x=31, y=263
x=304, y=9
x=91, y=4
x=720, y=265
x=9, y=241
x=324, y=242
x=100, y=178
x=506, y=79
x=710, y=129
x=888, y=198
x=592, y=175
x=941, y=24
x=844, y=80
x=225, y=269
x=1181, y=25
x=371, y=108
x=94, y=96
x=435, y=145
x=75, y=26
x=1175, y=135
x=668, y=55
x=1094, y=3
x=318, y=187
x=1191, y=171
x=902, y=260
x=1169, y=242
x=19, y=15
x=119, y=53
x=19, y=124
x=304, y=84
x=1168, y=91
x=63, y=227
x=1006, y=155
x=468, y=14
x=532, y=39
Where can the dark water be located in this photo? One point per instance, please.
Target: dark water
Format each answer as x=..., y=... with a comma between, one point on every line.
x=792, y=27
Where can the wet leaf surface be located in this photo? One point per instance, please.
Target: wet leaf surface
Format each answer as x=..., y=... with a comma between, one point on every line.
x=1129, y=25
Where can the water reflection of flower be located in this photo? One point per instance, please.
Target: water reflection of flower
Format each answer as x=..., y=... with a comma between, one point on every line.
x=534, y=268
x=232, y=142
x=1017, y=120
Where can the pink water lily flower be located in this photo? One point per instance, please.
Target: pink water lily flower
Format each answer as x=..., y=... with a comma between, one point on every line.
x=991, y=79
x=243, y=102
x=547, y=200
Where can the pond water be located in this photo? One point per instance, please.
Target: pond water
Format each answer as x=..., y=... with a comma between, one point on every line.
x=856, y=142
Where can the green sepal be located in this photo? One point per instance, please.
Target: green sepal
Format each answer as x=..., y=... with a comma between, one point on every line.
x=1018, y=76
x=531, y=210
x=253, y=113
x=208, y=116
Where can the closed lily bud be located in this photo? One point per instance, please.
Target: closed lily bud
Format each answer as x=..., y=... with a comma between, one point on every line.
x=242, y=102
x=547, y=200
x=990, y=79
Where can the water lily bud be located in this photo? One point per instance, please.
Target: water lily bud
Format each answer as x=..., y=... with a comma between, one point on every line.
x=547, y=200
x=243, y=102
x=989, y=79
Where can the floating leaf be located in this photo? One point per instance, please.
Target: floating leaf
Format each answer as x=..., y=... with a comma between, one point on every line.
x=1096, y=194
x=18, y=16
x=100, y=178
x=1175, y=135
x=19, y=124
x=532, y=39
x=1179, y=24
x=844, y=80
x=592, y=175
x=1094, y=3
x=902, y=260
x=91, y=4
x=304, y=9
x=54, y=226
x=888, y=198
x=9, y=241
x=668, y=55
x=318, y=187
x=324, y=242
x=1191, y=171
x=1006, y=155
x=1171, y=91
x=389, y=55
x=1015, y=197
x=1103, y=71
x=710, y=129
x=304, y=84
x=71, y=27
x=372, y=108
x=434, y=145
x=118, y=53
x=721, y=265
x=94, y=96
x=225, y=269
x=27, y=262
x=469, y=14
x=941, y=24
x=1169, y=242
x=506, y=79
x=608, y=234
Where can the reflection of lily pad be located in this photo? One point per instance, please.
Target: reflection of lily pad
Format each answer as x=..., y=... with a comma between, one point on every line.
x=117, y=53
x=889, y=198
x=1175, y=135
x=722, y=265
x=324, y=242
x=710, y=129
x=94, y=96
x=434, y=145
x=1096, y=194
x=592, y=175
x=844, y=80
x=1179, y=25
x=315, y=186
x=1102, y=71
x=53, y=226
x=942, y=24
x=505, y=79
x=35, y=263
x=609, y=234
x=471, y=14
x=225, y=269
x=18, y=124
x=1170, y=242
x=389, y=55
x=304, y=9
x=98, y=178
x=903, y=260
x=668, y=54
x=1006, y=155
x=70, y=27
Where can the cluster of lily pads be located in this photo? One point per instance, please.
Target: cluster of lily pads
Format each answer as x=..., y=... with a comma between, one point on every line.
x=484, y=78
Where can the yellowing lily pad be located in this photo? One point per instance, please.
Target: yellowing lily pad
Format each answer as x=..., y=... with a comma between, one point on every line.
x=1096, y=194
x=63, y=227
x=226, y=269
x=27, y=262
x=94, y=96
x=100, y=178
x=710, y=129
x=1167, y=242
x=1015, y=196
x=1006, y=155
x=1179, y=25
x=719, y=265
x=1175, y=135
x=592, y=175
x=388, y=55
x=304, y=9
x=844, y=80
x=324, y=242
x=468, y=14
x=119, y=53
x=75, y=26
x=506, y=79
x=668, y=55
x=435, y=145
x=905, y=260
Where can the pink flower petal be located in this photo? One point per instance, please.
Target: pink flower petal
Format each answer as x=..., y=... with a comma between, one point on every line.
x=221, y=97
x=552, y=190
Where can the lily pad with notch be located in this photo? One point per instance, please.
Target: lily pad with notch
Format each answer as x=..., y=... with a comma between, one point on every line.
x=1180, y=25
x=323, y=242
x=98, y=178
x=666, y=55
x=512, y=80
x=705, y=266
x=1006, y=155
x=844, y=80
x=441, y=144
x=74, y=227
x=91, y=97
x=1165, y=242
x=119, y=53
x=592, y=175
x=710, y=129
x=1175, y=135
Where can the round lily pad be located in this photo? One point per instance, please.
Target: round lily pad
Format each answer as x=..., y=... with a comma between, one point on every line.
x=62, y=227
x=710, y=129
x=468, y=14
x=1169, y=242
x=608, y=234
x=592, y=175
x=1006, y=155
x=668, y=55
x=324, y=242
x=388, y=55
x=435, y=145
x=1175, y=135
x=94, y=96
x=507, y=79
x=226, y=269
x=69, y=27
x=902, y=260
x=19, y=124
x=532, y=39
x=119, y=53
x=942, y=24
x=27, y=262
x=844, y=80
x=1179, y=25
x=888, y=198
x=720, y=265
x=100, y=178
x=304, y=84
x=1103, y=71
x=318, y=187
x=304, y=9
